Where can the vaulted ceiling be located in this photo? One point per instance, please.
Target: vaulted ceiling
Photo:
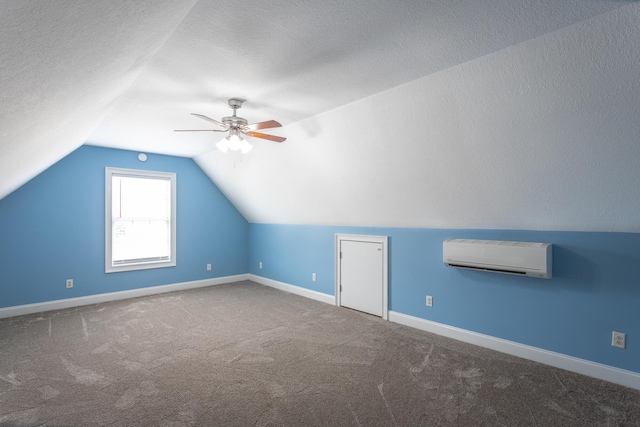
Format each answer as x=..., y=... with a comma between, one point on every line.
x=490, y=114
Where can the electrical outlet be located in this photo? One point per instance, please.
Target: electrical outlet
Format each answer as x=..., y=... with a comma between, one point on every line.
x=618, y=339
x=69, y=283
x=313, y=276
x=208, y=267
x=260, y=265
x=429, y=301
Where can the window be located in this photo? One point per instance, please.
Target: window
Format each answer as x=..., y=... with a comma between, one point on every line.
x=140, y=219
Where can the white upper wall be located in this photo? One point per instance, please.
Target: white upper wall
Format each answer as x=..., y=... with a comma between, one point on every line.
x=543, y=135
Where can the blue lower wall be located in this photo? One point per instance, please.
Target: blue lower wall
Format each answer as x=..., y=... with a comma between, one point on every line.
x=53, y=229
x=595, y=287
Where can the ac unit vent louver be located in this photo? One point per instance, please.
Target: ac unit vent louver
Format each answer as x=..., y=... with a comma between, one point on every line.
x=521, y=258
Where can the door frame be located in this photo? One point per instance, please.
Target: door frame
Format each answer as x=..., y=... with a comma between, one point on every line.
x=385, y=266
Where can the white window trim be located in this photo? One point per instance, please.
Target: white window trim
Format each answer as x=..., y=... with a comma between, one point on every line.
x=109, y=172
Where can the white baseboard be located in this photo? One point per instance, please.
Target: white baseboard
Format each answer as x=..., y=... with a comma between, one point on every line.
x=20, y=310
x=292, y=289
x=581, y=366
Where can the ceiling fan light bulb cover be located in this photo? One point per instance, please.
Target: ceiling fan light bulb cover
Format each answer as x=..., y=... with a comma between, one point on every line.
x=246, y=147
x=235, y=142
x=223, y=145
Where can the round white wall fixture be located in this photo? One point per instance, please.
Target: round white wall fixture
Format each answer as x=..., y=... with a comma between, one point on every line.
x=142, y=157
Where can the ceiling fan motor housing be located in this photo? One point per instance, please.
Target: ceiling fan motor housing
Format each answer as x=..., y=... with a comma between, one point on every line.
x=234, y=121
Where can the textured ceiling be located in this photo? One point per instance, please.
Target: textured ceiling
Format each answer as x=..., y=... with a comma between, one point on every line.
x=63, y=66
x=372, y=94
x=294, y=59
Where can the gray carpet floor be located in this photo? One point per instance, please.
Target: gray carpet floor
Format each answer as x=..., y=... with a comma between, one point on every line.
x=243, y=354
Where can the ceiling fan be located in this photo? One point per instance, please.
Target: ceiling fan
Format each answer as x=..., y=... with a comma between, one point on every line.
x=237, y=127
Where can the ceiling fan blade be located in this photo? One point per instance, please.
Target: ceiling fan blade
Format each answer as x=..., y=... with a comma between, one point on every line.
x=262, y=125
x=199, y=130
x=209, y=119
x=265, y=136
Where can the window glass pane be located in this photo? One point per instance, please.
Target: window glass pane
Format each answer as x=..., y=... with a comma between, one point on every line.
x=140, y=241
x=141, y=197
x=141, y=220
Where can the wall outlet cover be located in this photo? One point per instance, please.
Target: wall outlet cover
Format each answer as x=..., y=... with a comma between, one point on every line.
x=618, y=339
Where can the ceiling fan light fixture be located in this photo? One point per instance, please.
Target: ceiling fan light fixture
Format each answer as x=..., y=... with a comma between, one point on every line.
x=234, y=143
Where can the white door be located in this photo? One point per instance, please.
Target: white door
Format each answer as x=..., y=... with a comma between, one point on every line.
x=361, y=276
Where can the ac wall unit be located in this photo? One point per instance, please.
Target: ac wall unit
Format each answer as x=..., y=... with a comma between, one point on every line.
x=522, y=258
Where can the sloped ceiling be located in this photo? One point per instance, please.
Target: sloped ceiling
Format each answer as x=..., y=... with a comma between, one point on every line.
x=63, y=66
x=492, y=114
